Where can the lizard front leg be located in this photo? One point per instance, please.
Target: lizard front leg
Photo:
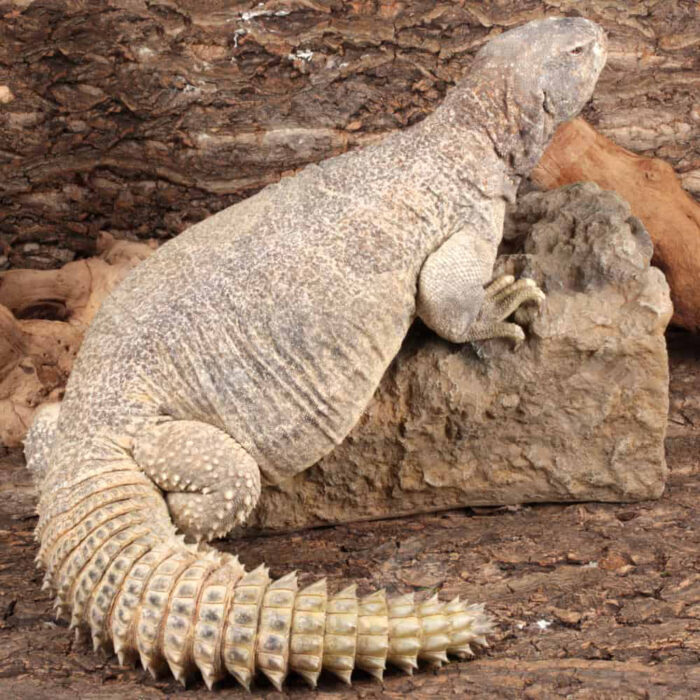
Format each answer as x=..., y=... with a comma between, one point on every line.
x=454, y=299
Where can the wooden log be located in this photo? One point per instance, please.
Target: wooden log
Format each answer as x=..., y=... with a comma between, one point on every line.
x=670, y=215
x=74, y=293
x=145, y=117
x=36, y=357
x=36, y=354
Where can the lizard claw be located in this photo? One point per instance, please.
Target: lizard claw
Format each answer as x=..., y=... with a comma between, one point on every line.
x=505, y=296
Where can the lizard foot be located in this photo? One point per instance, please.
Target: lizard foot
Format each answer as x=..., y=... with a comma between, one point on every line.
x=211, y=483
x=504, y=296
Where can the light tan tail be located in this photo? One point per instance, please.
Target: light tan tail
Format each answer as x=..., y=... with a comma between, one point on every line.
x=116, y=564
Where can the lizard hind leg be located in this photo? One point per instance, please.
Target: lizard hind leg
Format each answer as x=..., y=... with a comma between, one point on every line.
x=211, y=483
x=504, y=296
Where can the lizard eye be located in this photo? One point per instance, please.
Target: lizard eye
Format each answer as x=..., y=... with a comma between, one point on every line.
x=576, y=51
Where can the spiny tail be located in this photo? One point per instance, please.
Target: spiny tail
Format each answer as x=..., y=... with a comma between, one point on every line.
x=113, y=558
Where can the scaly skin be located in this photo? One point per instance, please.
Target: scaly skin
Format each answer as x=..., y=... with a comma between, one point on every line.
x=247, y=348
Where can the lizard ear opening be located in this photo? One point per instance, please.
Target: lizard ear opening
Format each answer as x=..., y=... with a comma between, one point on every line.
x=548, y=106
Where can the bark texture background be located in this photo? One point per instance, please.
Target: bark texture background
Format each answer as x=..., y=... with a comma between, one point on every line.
x=141, y=117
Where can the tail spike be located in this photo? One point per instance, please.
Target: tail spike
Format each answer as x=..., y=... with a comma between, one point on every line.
x=209, y=679
x=274, y=629
x=481, y=624
x=101, y=644
x=179, y=675
x=245, y=678
x=127, y=656
x=308, y=625
x=150, y=667
x=61, y=608
x=435, y=629
x=340, y=636
x=345, y=675
x=459, y=632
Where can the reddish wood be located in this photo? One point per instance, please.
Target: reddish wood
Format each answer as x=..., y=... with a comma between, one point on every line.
x=655, y=195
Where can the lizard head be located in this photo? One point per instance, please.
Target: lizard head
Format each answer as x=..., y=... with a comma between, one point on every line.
x=528, y=80
x=550, y=65
x=553, y=63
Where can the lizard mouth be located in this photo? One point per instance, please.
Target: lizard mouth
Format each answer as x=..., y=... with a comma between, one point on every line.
x=549, y=116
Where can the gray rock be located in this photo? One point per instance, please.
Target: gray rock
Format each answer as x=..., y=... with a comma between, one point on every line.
x=577, y=413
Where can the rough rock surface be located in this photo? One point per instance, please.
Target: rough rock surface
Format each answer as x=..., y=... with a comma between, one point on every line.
x=577, y=413
x=579, y=153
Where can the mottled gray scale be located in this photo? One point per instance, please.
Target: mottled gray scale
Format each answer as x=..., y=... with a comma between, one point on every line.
x=70, y=540
x=68, y=548
x=74, y=561
x=82, y=502
x=95, y=569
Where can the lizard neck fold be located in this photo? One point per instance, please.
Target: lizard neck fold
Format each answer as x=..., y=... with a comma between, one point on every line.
x=510, y=126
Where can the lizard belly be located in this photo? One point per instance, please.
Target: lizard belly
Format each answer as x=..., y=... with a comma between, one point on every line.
x=294, y=390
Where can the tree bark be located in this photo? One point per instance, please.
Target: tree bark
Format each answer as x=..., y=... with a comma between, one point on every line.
x=142, y=117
